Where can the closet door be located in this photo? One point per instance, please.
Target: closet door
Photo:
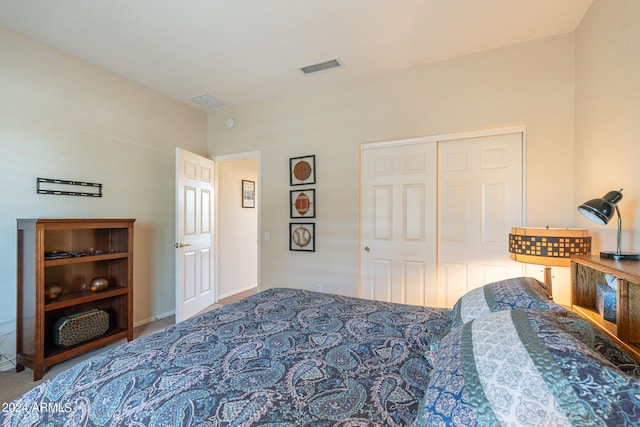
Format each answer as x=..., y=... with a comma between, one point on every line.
x=480, y=197
x=398, y=223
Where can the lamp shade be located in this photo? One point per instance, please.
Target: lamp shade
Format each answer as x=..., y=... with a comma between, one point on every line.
x=548, y=246
x=601, y=210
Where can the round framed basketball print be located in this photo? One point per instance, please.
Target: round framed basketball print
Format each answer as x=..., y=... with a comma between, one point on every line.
x=302, y=170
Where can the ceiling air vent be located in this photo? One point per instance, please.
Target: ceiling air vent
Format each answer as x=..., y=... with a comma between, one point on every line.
x=322, y=66
x=206, y=101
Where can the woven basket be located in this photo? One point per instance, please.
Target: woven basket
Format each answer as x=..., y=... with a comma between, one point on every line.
x=77, y=328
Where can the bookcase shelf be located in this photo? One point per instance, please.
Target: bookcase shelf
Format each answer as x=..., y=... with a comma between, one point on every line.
x=84, y=259
x=82, y=297
x=70, y=253
x=586, y=272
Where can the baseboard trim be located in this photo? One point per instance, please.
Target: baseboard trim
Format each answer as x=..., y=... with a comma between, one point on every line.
x=153, y=319
x=7, y=364
x=167, y=314
x=235, y=291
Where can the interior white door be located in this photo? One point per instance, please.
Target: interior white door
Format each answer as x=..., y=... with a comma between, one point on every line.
x=480, y=192
x=194, y=234
x=398, y=223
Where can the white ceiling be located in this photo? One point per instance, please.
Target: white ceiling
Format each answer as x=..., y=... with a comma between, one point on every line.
x=242, y=51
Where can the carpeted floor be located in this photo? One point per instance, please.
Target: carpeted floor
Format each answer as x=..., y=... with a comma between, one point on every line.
x=14, y=384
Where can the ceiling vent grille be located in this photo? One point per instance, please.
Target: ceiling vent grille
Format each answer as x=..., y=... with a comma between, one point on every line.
x=206, y=101
x=332, y=64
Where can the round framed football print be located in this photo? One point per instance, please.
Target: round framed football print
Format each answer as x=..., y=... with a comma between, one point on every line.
x=303, y=203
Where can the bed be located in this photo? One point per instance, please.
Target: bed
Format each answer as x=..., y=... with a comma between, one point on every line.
x=505, y=354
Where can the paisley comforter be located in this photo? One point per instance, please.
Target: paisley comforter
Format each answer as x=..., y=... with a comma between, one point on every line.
x=283, y=357
x=530, y=368
x=504, y=355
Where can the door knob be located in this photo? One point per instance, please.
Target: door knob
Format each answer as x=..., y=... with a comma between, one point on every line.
x=182, y=245
x=367, y=249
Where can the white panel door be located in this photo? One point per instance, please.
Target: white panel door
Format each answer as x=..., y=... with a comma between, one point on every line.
x=398, y=223
x=480, y=192
x=194, y=234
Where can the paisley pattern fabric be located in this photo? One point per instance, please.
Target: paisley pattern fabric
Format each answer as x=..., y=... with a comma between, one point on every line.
x=530, y=368
x=520, y=292
x=283, y=357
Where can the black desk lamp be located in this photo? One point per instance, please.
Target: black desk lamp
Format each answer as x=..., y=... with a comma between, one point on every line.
x=601, y=211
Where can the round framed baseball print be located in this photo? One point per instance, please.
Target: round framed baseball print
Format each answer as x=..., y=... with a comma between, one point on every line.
x=302, y=236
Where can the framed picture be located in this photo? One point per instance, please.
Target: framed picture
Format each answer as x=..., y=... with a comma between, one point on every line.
x=302, y=236
x=302, y=170
x=302, y=203
x=248, y=194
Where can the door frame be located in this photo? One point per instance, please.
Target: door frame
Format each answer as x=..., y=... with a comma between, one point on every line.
x=232, y=157
x=502, y=130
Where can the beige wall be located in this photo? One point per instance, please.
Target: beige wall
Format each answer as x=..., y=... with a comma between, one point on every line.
x=238, y=228
x=63, y=118
x=607, y=125
x=530, y=83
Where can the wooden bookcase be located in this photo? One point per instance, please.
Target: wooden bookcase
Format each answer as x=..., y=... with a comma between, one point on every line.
x=94, y=248
x=586, y=271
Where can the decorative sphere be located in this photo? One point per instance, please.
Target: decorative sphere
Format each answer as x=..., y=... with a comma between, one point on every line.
x=53, y=291
x=302, y=170
x=98, y=284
